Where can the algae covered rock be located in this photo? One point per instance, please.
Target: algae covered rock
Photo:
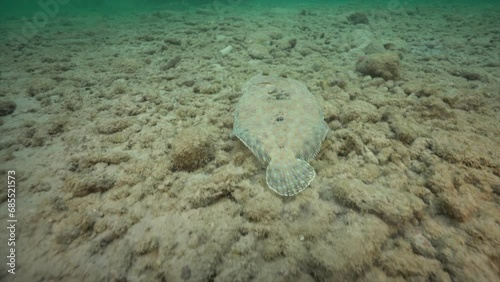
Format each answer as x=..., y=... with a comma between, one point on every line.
x=384, y=65
x=192, y=148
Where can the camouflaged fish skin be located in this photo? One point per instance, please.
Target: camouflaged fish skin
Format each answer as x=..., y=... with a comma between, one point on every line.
x=282, y=123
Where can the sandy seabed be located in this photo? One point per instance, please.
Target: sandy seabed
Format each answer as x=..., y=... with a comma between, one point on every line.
x=119, y=128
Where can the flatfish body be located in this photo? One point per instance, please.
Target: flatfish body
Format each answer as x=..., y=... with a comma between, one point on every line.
x=281, y=122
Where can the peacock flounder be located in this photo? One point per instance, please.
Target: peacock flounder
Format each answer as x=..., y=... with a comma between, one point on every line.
x=281, y=122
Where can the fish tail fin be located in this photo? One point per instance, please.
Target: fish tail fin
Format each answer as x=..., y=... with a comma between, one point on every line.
x=288, y=179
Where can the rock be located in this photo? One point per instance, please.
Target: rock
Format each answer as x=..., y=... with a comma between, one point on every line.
x=375, y=46
x=291, y=44
x=112, y=126
x=405, y=129
x=400, y=261
x=226, y=50
x=351, y=248
x=71, y=227
x=376, y=274
x=496, y=189
x=258, y=51
x=207, y=87
x=358, y=39
x=395, y=44
x=468, y=74
x=172, y=63
x=359, y=111
x=173, y=41
x=357, y=18
x=391, y=205
x=441, y=178
x=262, y=208
x=109, y=158
x=459, y=147
x=192, y=148
x=385, y=65
x=82, y=186
x=186, y=272
x=422, y=246
x=7, y=107
x=462, y=205
x=205, y=12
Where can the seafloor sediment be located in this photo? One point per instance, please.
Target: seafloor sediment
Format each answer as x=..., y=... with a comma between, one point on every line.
x=119, y=128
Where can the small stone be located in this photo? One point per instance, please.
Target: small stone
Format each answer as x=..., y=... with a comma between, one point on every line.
x=422, y=246
x=226, y=50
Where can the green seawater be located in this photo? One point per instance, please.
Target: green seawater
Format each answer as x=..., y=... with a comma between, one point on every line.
x=21, y=20
x=28, y=7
